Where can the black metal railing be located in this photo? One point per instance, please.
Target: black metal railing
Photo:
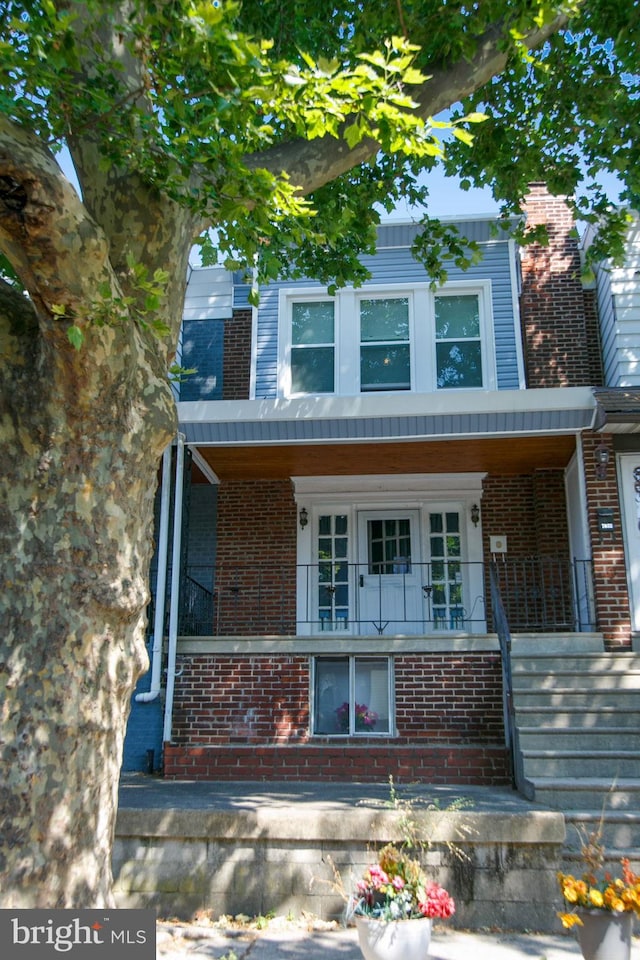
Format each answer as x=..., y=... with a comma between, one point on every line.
x=540, y=594
x=511, y=736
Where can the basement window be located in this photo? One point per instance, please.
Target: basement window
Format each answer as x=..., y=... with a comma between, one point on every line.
x=352, y=696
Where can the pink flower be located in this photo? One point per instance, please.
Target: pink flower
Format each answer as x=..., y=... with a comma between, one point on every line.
x=398, y=883
x=437, y=903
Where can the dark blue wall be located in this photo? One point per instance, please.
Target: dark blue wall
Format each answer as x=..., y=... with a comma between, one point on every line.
x=202, y=349
x=144, y=730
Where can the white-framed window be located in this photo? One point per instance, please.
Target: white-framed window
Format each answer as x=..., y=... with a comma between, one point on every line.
x=352, y=695
x=312, y=346
x=385, y=343
x=387, y=339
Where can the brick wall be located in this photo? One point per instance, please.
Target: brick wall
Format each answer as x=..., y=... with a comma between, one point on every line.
x=530, y=512
x=248, y=718
x=552, y=301
x=256, y=558
x=237, y=356
x=609, y=569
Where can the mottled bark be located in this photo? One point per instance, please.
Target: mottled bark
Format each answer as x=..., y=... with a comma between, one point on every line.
x=81, y=432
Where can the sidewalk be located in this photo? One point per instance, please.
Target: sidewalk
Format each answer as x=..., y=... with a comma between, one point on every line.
x=284, y=940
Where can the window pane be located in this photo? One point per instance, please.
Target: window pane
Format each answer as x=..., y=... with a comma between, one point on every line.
x=372, y=695
x=312, y=322
x=384, y=319
x=331, y=693
x=457, y=317
x=385, y=368
x=312, y=370
x=459, y=364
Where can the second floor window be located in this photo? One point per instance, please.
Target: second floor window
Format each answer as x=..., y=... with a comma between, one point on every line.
x=312, y=347
x=385, y=359
x=376, y=340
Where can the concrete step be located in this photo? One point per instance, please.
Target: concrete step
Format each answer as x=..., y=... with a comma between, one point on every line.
x=586, y=793
x=580, y=764
x=573, y=697
x=577, y=718
x=578, y=680
x=587, y=739
x=556, y=644
x=620, y=831
x=597, y=662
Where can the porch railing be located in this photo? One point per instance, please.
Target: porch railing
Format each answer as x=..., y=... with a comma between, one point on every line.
x=541, y=594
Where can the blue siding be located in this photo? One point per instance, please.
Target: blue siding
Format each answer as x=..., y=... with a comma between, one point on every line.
x=202, y=349
x=144, y=729
x=395, y=265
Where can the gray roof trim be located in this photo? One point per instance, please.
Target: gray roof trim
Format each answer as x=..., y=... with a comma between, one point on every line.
x=364, y=429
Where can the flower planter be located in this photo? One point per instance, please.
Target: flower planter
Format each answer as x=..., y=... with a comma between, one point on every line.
x=394, y=939
x=605, y=935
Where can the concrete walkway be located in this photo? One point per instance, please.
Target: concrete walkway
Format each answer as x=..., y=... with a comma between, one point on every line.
x=284, y=940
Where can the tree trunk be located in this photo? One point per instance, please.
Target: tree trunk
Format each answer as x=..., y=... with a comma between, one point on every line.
x=81, y=434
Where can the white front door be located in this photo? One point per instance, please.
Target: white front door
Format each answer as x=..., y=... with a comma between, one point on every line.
x=389, y=573
x=630, y=495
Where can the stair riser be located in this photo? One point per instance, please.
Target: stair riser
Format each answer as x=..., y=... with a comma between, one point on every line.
x=612, y=663
x=579, y=721
x=616, y=836
x=606, y=768
x=622, y=699
x=587, y=799
x=577, y=681
x=580, y=739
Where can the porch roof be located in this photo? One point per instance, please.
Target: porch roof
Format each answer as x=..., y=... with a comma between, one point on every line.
x=388, y=417
x=390, y=433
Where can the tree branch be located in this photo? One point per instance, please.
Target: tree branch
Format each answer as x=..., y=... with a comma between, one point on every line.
x=45, y=230
x=311, y=164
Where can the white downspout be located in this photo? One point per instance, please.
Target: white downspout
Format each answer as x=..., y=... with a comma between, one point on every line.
x=175, y=590
x=161, y=583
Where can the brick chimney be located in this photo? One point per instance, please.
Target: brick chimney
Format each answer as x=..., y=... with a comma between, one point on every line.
x=552, y=304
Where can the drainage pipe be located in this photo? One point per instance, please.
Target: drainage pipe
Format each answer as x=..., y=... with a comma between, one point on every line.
x=175, y=589
x=161, y=583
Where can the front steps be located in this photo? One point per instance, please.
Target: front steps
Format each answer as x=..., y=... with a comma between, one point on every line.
x=578, y=718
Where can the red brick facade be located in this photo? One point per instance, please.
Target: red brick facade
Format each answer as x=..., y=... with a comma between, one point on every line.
x=256, y=558
x=248, y=718
x=609, y=569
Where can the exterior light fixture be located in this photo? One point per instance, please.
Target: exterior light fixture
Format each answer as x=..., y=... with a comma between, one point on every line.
x=303, y=516
x=475, y=514
x=602, y=459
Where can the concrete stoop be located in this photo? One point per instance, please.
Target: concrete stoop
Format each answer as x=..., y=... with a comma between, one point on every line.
x=578, y=718
x=252, y=848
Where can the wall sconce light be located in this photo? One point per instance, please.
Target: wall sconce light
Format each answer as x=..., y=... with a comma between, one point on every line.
x=303, y=516
x=602, y=459
x=475, y=514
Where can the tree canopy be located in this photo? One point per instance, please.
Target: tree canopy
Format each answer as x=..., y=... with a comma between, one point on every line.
x=282, y=123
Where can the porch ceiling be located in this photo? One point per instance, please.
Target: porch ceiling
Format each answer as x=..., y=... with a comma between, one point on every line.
x=502, y=456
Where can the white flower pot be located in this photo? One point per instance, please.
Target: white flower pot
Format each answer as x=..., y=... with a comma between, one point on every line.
x=394, y=939
x=605, y=935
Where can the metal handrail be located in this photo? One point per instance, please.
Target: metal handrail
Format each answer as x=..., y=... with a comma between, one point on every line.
x=511, y=735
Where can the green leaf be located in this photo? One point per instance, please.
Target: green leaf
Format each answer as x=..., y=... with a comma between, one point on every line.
x=75, y=337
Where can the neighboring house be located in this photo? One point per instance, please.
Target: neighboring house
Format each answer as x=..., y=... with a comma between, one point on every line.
x=353, y=466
